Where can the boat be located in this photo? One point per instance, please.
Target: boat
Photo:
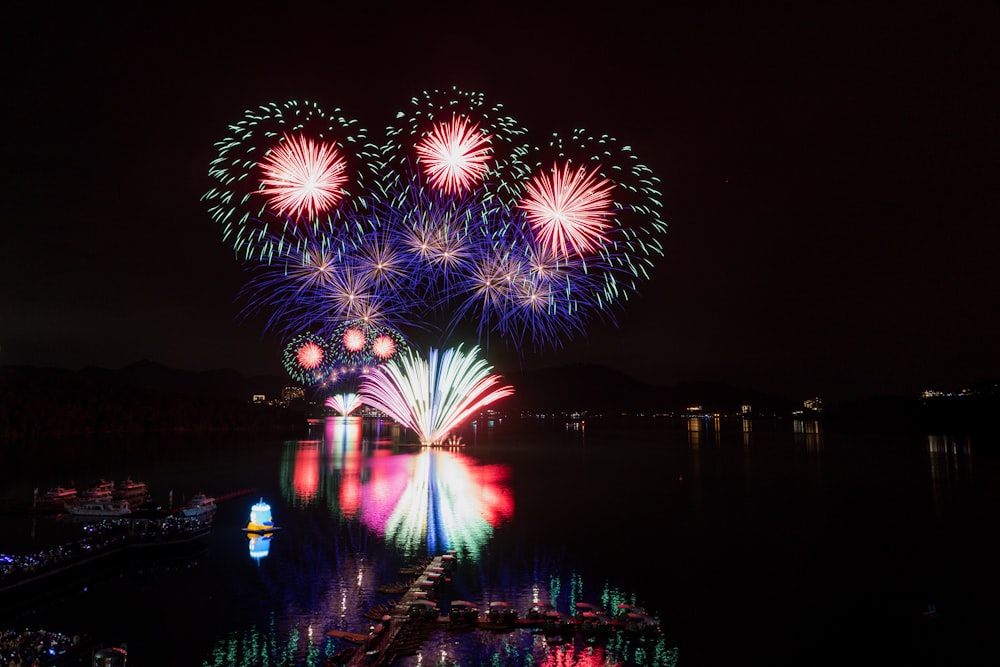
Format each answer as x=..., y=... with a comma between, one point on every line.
x=463, y=611
x=640, y=623
x=54, y=499
x=592, y=623
x=260, y=519
x=199, y=505
x=423, y=609
x=395, y=588
x=558, y=623
x=97, y=508
x=102, y=491
x=131, y=490
x=500, y=615
x=538, y=611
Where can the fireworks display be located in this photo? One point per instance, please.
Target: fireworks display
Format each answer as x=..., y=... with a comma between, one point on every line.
x=454, y=216
x=455, y=219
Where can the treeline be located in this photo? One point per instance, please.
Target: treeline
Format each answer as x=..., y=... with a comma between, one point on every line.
x=56, y=403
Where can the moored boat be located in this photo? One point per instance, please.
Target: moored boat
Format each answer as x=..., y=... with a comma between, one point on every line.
x=500, y=615
x=592, y=623
x=558, y=623
x=423, y=609
x=131, y=490
x=463, y=611
x=102, y=491
x=97, y=508
x=641, y=624
x=199, y=505
x=54, y=499
x=537, y=611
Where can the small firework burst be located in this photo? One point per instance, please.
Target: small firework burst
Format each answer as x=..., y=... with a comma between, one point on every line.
x=308, y=358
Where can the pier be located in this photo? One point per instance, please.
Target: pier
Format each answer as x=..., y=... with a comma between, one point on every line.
x=401, y=631
x=405, y=626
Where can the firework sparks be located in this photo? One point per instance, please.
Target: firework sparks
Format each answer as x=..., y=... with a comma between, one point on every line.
x=302, y=177
x=454, y=155
x=383, y=347
x=567, y=209
x=308, y=358
x=345, y=403
x=455, y=218
x=433, y=396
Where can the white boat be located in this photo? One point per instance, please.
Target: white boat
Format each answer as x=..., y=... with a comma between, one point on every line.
x=199, y=505
x=112, y=508
x=129, y=489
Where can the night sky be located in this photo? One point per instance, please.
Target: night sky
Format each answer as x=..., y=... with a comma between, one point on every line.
x=829, y=173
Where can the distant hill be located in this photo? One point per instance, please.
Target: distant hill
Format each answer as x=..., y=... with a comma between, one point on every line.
x=224, y=384
x=142, y=398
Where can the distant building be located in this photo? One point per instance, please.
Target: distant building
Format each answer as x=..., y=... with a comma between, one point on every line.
x=292, y=393
x=814, y=404
x=259, y=398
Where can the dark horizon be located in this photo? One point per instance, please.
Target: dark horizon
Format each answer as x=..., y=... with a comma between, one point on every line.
x=589, y=385
x=828, y=178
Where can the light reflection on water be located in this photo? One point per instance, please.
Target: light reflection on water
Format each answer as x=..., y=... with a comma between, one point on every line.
x=419, y=502
x=718, y=528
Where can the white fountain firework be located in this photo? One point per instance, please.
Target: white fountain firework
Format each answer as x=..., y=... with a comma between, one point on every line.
x=433, y=396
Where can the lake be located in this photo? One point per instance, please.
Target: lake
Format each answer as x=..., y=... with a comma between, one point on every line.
x=770, y=542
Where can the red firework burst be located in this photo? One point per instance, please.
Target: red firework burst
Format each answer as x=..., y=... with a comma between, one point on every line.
x=302, y=177
x=309, y=356
x=454, y=155
x=567, y=209
x=354, y=340
x=383, y=347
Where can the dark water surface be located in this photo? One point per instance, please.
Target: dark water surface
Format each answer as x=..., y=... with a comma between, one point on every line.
x=764, y=543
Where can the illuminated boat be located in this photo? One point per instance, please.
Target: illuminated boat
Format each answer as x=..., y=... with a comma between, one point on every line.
x=55, y=499
x=100, y=492
x=199, y=505
x=260, y=519
x=130, y=490
x=92, y=508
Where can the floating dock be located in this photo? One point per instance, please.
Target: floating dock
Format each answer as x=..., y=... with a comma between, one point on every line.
x=399, y=633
